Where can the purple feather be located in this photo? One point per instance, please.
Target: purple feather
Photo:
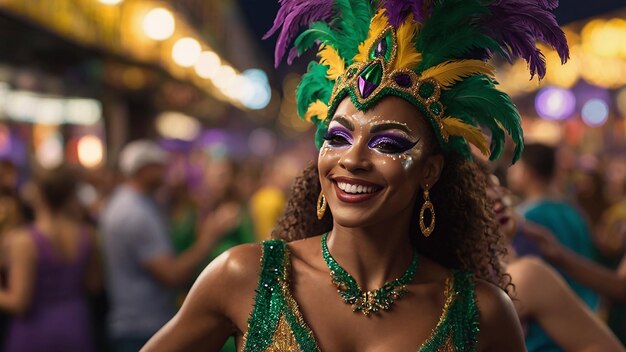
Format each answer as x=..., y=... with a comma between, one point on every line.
x=549, y=4
x=544, y=4
x=293, y=15
x=397, y=10
x=517, y=25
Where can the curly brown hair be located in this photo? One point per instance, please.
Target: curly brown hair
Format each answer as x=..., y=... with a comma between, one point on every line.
x=466, y=235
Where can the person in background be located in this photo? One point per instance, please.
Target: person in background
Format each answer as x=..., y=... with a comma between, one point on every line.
x=142, y=267
x=542, y=299
x=268, y=202
x=12, y=212
x=533, y=179
x=228, y=185
x=51, y=265
x=222, y=177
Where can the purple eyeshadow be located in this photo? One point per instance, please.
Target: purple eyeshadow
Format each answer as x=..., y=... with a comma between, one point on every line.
x=340, y=132
x=397, y=144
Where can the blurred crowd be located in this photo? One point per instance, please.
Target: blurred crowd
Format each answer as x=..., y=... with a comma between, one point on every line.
x=106, y=257
x=99, y=261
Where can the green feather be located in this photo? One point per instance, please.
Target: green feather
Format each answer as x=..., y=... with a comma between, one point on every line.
x=354, y=20
x=449, y=33
x=314, y=86
x=476, y=98
x=319, y=32
x=345, y=34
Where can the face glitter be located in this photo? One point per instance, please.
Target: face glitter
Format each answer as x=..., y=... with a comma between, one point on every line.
x=391, y=122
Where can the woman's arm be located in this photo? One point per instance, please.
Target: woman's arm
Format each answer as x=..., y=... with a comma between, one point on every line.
x=600, y=279
x=546, y=298
x=500, y=328
x=217, y=306
x=22, y=257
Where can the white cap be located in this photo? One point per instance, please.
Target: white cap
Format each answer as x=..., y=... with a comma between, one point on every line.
x=140, y=153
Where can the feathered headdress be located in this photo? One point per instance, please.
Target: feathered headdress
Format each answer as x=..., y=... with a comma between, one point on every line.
x=432, y=53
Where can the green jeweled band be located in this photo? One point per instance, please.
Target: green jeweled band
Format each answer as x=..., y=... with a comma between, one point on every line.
x=370, y=301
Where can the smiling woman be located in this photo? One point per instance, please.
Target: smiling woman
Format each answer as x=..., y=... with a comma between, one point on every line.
x=388, y=243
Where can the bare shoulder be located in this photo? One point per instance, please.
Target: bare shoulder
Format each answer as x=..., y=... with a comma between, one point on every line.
x=499, y=325
x=491, y=300
x=20, y=240
x=530, y=272
x=17, y=245
x=305, y=244
x=239, y=265
x=227, y=286
x=528, y=267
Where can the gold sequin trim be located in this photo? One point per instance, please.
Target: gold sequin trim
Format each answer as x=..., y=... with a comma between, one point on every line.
x=283, y=339
x=292, y=305
x=450, y=296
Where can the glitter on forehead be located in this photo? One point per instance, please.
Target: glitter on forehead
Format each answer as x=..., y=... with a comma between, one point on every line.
x=392, y=122
x=362, y=123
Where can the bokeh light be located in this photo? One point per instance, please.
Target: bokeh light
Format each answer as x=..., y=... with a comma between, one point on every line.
x=554, y=103
x=262, y=92
x=159, y=24
x=176, y=125
x=49, y=153
x=110, y=2
x=595, y=112
x=186, y=51
x=207, y=65
x=83, y=111
x=90, y=151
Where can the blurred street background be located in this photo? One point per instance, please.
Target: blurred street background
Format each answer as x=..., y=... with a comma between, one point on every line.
x=80, y=79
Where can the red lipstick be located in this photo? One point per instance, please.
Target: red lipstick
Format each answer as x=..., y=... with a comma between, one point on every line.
x=352, y=197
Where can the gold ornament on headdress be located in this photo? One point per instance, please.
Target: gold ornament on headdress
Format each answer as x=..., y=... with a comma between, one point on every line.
x=385, y=65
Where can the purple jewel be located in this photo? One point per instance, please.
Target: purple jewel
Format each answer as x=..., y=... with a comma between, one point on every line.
x=403, y=80
x=365, y=88
x=381, y=48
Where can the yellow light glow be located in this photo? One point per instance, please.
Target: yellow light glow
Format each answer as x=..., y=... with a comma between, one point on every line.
x=176, y=125
x=159, y=24
x=90, y=151
x=604, y=72
x=564, y=76
x=542, y=131
x=208, y=64
x=110, y=2
x=186, y=51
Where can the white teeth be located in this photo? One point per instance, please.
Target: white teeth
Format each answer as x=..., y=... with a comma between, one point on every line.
x=355, y=189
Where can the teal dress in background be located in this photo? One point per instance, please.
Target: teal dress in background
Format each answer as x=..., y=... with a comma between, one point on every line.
x=569, y=227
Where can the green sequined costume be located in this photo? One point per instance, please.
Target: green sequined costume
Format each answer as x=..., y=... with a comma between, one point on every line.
x=276, y=323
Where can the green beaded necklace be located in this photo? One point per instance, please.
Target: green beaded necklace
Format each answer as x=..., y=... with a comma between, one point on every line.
x=370, y=301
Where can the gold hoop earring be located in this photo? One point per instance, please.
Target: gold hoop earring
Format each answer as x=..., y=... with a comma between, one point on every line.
x=427, y=230
x=321, y=206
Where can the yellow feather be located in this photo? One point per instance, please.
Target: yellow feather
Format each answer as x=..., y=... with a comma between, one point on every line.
x=407, y=56
x=317, y=109
x=377, y=26
x=450, y=72
x=472, y=134
x=330, y=57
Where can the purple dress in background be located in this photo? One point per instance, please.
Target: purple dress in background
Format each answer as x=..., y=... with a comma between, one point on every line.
x=58, y=318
